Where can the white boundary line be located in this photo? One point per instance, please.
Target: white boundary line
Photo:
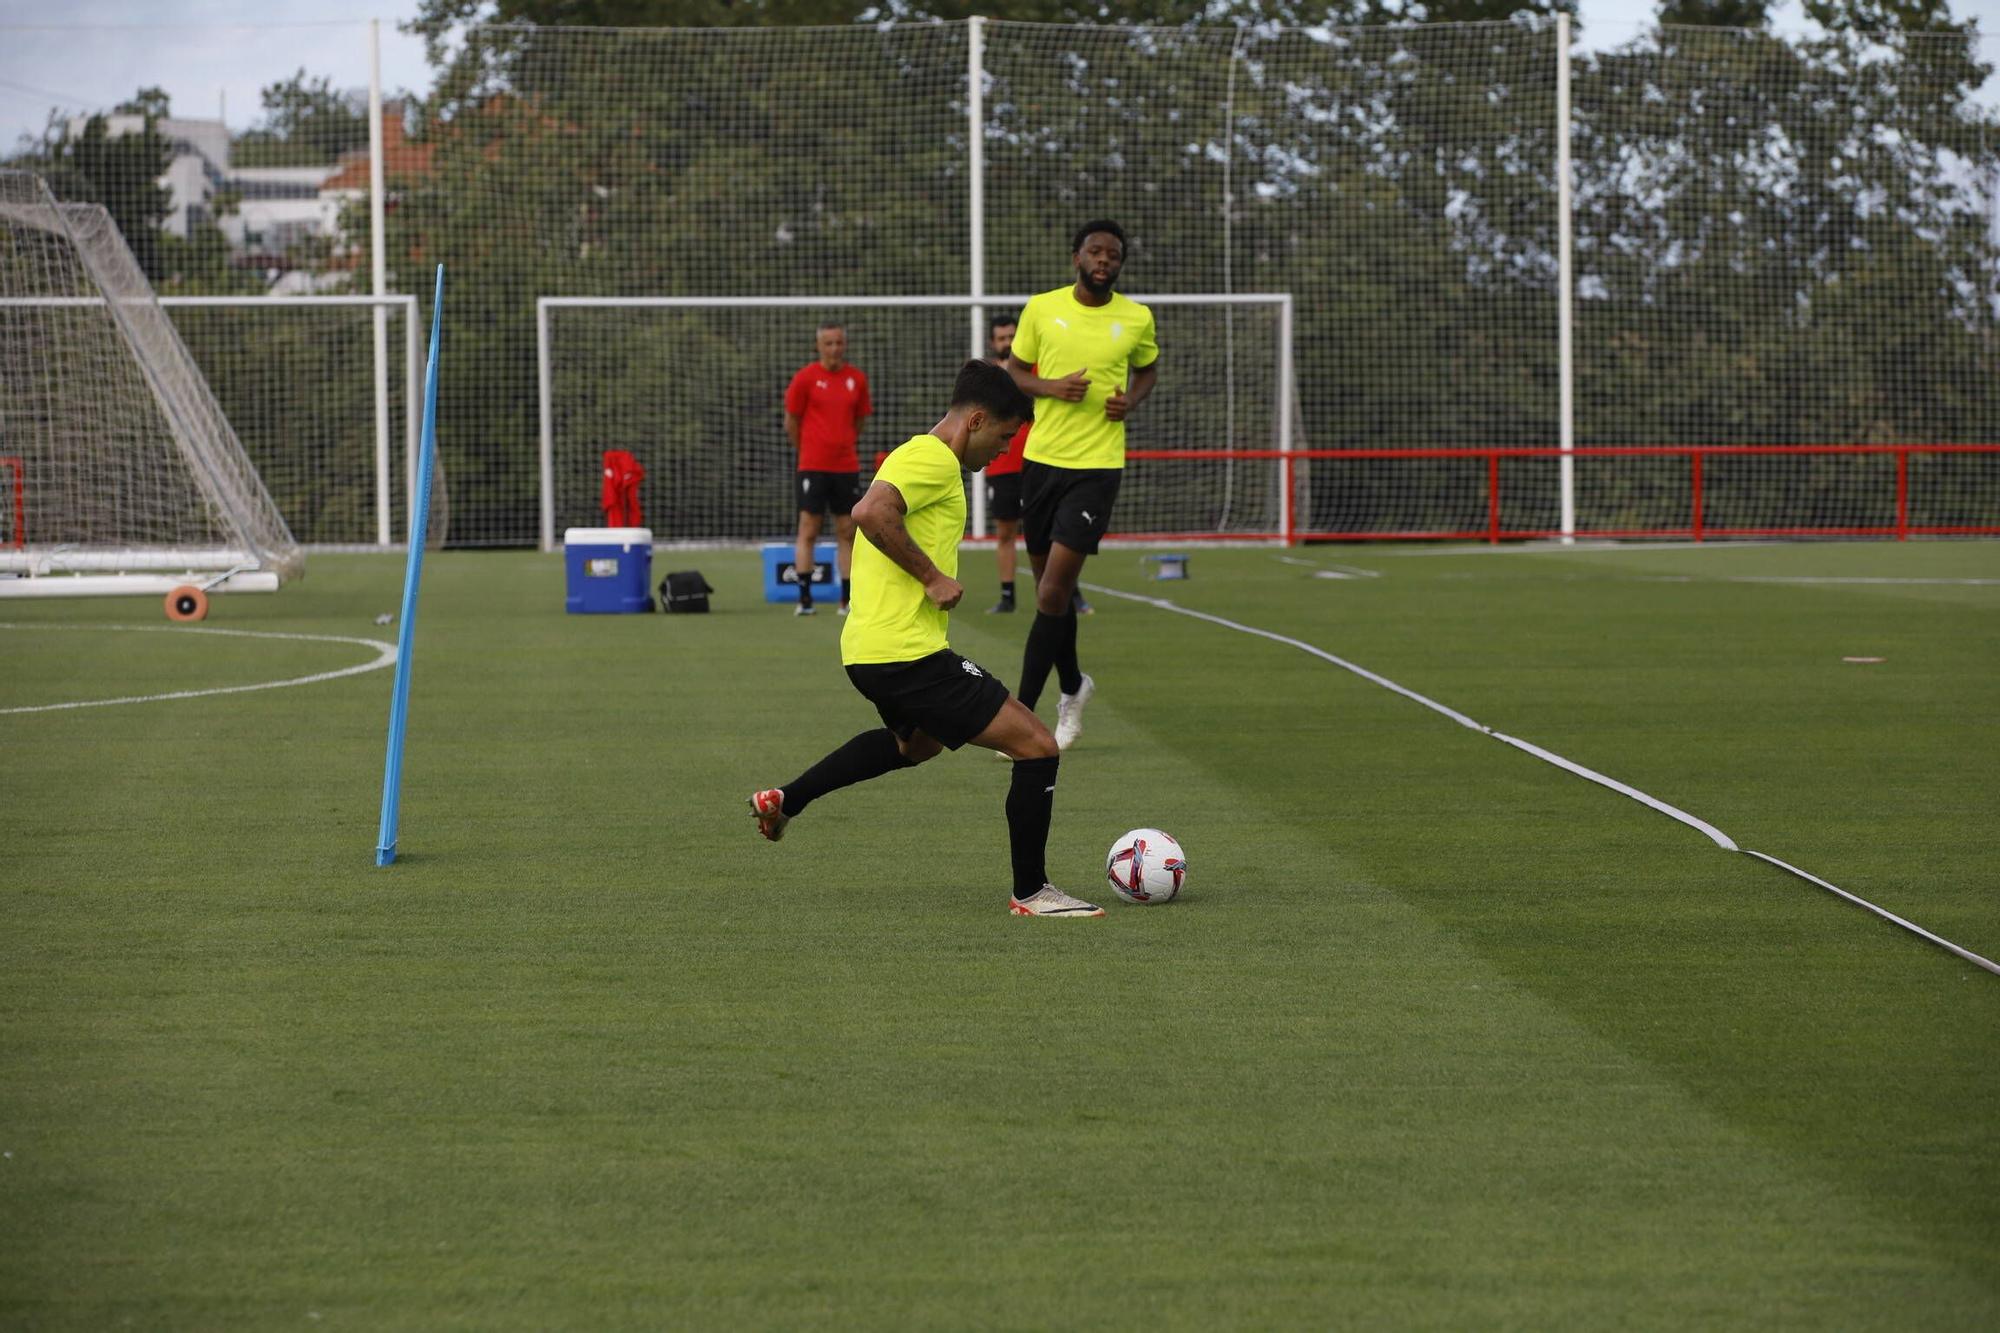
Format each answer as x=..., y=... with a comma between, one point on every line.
x=1715, y=835
x=385, y=656
x=1810, y=580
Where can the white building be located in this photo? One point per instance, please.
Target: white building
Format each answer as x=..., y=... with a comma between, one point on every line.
x=270, y=208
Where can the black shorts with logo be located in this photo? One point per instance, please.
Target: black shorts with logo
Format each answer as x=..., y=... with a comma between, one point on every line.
x=944, y=695
x=827, y=492
x=1067, y=504
x=1003, y=497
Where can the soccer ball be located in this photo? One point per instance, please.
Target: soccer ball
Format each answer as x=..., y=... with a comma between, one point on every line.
x=1146, y=866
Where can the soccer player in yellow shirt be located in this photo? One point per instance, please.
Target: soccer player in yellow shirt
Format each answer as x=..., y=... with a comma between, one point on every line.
x=1089, y=355
x=896, y=652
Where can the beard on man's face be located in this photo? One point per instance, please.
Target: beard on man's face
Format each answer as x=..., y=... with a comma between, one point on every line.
x=1093, y=285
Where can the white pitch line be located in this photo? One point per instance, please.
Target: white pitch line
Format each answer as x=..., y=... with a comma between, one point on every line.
x=1326, y=571
x=386, y=656
x=1715, y=835
x=1809, y=579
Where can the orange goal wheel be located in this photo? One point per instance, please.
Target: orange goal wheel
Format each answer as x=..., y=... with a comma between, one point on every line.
x=187, y=602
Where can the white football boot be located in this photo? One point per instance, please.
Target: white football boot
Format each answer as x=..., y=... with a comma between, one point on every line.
x=1069, y=713
x=1052, y=901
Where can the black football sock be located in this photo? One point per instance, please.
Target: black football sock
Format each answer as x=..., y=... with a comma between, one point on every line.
x=806, y=590
x=847, y=590
x=869, y=755
x=1039, y=656
x=1068, y=674
x=1031, y=800
x=1007, y=591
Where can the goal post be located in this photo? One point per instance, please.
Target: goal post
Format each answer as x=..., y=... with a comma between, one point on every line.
x=296, y=376
x=694, y=386
x=132, y=478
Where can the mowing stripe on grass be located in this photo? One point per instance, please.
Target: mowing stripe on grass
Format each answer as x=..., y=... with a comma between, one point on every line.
x=1715, y=835
x=385, y=656
x=1808, y=580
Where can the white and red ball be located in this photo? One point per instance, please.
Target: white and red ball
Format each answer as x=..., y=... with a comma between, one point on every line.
x=1146, y=866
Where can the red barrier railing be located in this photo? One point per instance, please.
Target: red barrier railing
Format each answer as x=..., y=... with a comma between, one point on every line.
x=1698, y=528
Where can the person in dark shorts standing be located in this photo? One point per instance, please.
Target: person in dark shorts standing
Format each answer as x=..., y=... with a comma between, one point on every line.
x=1089, y=356
x=825, y=405
x=1003, y=477
x=896, y=650
x=1003, y=482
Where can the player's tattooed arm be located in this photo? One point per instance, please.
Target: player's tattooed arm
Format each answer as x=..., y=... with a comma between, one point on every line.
x=879, y=515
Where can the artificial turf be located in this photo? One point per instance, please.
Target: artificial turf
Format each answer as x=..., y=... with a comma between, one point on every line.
x=1440, y=1035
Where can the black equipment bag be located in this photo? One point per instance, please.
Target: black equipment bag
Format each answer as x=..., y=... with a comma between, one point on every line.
x=685, y=591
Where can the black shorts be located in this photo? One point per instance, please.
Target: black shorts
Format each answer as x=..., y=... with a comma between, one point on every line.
x=944, y=695
x=1003, y=497
x=1067, y=504
x=828, y=492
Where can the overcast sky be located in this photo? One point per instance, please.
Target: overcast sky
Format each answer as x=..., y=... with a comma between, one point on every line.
x=214, y=56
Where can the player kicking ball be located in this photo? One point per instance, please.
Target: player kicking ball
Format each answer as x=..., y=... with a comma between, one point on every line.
x=894, y=642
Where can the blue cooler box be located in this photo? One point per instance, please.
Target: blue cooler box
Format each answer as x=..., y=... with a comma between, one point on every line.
x=781, y=580
x=610, y=569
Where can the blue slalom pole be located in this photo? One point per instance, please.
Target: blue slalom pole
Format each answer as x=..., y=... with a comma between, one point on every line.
x=406, y=627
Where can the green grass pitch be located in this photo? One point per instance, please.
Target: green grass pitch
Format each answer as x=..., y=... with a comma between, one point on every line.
x=1440, y=1036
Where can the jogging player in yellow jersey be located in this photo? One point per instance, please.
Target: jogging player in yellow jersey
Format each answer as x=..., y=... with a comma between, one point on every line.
x=896, y=652
x=1088, y=354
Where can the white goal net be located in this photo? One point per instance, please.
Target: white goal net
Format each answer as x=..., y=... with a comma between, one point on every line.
x=129, y=473
x=694, y=388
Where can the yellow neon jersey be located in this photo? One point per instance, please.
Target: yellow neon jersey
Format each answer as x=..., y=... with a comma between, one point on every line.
x=1059, y=335
x=889, y=619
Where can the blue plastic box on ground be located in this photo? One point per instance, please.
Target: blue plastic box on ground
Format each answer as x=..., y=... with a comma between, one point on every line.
x=610, y=570
x=781, y=581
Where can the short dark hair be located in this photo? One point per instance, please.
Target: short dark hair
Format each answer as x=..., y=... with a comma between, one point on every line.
x=985, y=385
x=1004, y=317
x=1084, y=232
x=832, y=324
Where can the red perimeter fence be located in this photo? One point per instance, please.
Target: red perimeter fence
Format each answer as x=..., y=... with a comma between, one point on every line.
x=1694, y=502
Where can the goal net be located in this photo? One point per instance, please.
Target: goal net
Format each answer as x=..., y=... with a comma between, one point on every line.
x=694, y=388
x=130, y=476
x=328, y=414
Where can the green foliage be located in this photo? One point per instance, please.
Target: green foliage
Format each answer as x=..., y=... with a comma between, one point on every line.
x=306, y=123
x=119, y=171
x=152, y=103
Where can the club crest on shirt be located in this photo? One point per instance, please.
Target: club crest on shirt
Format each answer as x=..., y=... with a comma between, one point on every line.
x=1116, y=328
x=850, y=384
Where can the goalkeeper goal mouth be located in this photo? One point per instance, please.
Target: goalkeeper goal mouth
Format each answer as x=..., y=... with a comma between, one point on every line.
x=126, y=477
x=693, y=388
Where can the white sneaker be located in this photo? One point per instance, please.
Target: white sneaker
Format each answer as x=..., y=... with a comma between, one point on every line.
x=1069, y=713
x=1052, y=901
x=805, y=609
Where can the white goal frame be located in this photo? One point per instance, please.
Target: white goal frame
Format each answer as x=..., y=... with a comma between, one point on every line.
x=404, y=305
x=975, y=305
x=413, y=377
x=76, y=250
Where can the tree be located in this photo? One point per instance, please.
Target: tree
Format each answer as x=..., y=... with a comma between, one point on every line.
x=306, y=123
x=1742, y=234
x=120, y=171
x=1784, y=241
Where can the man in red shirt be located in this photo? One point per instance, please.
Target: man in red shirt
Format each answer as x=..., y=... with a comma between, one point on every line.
x=824, y=407
x=1003, y=474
